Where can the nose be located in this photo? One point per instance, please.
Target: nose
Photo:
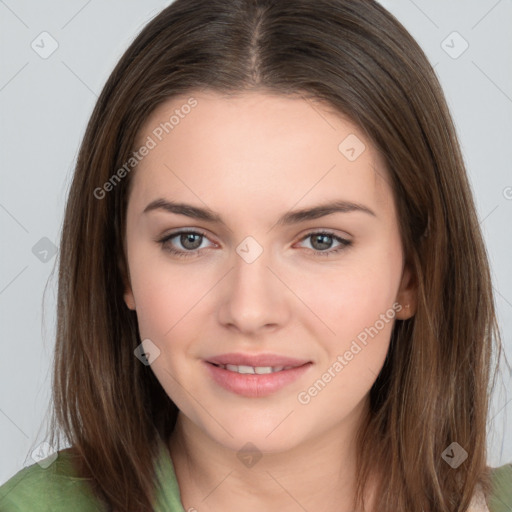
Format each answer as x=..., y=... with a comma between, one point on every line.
x=253, y=296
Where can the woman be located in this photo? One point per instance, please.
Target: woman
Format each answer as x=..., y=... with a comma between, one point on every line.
x=320, y=348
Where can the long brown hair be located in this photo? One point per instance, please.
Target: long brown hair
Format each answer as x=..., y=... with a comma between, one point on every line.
x=434, y=387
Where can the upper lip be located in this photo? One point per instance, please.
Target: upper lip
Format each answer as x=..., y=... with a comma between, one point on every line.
x=256, y=360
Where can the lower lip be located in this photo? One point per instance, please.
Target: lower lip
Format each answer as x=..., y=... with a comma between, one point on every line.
x=254, y=385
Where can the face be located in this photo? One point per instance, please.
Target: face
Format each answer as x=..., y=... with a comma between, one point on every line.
x=253, y=278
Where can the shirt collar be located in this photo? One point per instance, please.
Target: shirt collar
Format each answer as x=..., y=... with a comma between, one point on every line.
x=167, y=497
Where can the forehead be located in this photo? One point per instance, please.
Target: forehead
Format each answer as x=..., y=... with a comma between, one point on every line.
x=257, y=147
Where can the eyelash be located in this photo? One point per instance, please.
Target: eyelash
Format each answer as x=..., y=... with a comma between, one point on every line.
x=188, y=254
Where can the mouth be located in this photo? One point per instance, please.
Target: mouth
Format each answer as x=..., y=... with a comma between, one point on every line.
x=255, y=381
x=253, y=370
x=265, y=361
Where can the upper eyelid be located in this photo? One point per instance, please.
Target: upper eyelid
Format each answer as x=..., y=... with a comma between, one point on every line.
x=195, y=231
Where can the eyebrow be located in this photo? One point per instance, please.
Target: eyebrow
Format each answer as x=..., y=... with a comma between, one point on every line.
x=289, y=218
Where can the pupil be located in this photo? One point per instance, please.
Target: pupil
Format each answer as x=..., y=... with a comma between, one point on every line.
x=188, y=237
x=321, y=239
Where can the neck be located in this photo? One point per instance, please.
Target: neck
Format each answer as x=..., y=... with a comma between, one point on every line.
x=318, y=474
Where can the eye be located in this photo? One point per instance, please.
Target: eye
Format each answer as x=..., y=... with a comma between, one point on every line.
x=189, y=240
x=322, y=240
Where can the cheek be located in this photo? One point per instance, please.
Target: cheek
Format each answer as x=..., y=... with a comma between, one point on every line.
x=167, y=295
x=355, y=357
x=358, y=305
x=352, y=297
x=164, y=305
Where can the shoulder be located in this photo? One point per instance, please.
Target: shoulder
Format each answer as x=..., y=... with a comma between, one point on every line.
x=49, y=485
x=500, y=499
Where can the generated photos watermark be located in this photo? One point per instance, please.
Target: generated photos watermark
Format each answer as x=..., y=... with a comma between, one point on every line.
x=305, y=397
x=157, y=135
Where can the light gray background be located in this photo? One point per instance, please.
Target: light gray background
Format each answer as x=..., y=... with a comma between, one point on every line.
x=46, y=102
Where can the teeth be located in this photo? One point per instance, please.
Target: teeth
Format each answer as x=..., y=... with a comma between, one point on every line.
x=260, y=370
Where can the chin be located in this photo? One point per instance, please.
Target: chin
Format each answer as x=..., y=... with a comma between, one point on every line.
x=246, y=439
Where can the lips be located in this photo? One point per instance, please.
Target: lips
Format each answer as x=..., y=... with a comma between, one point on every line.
x=254, y=385
x=256, y=360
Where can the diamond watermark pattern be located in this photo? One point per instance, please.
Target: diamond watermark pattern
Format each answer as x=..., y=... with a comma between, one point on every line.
x=454, y=45
x=351, y=147
x=44, y=250
x=44, y=455
x=454, y=455
x=146, y=352
x=249, y=455
x=44, y=45
x=249, y=249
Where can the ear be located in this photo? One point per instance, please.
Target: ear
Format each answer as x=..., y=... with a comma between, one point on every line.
x=407, y=295
x=129, y=298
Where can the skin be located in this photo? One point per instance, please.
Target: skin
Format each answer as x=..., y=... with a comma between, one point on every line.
x=251, y=159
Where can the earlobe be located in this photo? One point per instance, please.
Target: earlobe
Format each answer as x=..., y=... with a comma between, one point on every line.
x=129, y=299
x=407, y=295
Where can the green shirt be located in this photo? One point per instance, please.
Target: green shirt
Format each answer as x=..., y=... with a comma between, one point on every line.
x=58, y=489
